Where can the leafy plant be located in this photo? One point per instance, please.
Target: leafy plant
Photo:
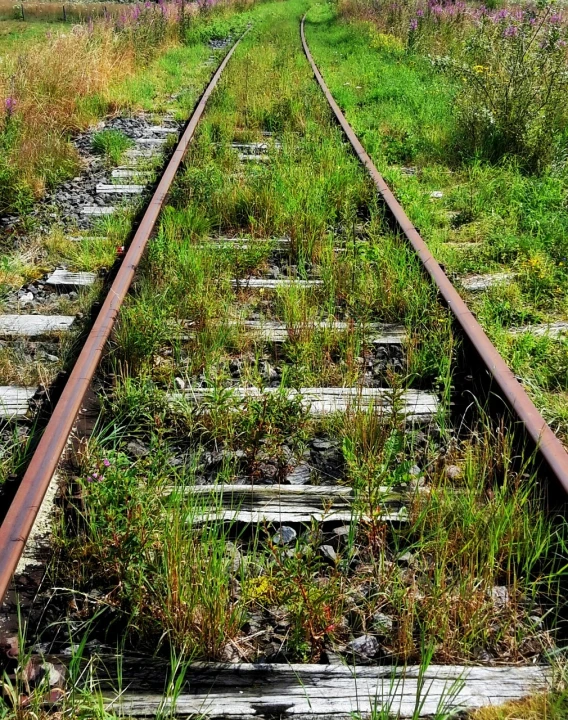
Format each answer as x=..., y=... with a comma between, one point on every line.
x=514, y=76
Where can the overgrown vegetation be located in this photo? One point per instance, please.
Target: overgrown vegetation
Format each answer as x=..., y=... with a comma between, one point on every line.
x=485, y=187
x=445, y=552
x=64, y=82
x=474, y=571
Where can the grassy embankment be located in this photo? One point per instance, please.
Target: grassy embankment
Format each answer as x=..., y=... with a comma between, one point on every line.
x=503, y=203
x=140, y=539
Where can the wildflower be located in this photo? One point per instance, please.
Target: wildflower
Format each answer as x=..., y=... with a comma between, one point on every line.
x=511, y=31
x=106, y=462
x=479, y=69
x=413, y=25
x=10, y=105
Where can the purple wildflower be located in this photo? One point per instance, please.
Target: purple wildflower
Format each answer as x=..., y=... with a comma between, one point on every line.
x=10, y=105
x=106, y=462
x=413, y=25
x=511, y=31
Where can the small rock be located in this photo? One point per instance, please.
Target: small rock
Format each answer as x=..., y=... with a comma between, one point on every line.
x=137, y=448
x=334, y=658
x=406, y=558
x=436, y=194
x=255, y=622
x=500, y=596
x=318, y=444
x=342, y=532
x=453, y=472
x=300, y=475
x=365, y=647
x=328, y=553
x=483, y=656
x=26, y=298
x=269, y=471
x=229, y=654
x=382, y=624
x=179, y=383
x=285, y=536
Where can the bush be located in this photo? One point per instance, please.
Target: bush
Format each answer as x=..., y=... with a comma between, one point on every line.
x=513, y=80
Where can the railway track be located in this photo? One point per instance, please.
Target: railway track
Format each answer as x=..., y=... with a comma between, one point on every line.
x=282, y=447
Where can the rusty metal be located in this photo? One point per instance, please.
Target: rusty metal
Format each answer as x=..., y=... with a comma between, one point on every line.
x=20, y=517
x=548, y=444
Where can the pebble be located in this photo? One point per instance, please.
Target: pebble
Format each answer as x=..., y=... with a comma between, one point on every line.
x=406, y=558
x=453, y=472
x=137, y=448
x=269, y=471
x=500, y=596
x=285, y=536
x=382, y=624
x=179, y=383
x=300, y=475
x=328, y=553
x=342, y=531
x=365, y=647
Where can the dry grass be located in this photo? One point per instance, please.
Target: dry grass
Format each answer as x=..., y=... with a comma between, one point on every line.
x=63, y=83
x=53, y=11
x=545, y=706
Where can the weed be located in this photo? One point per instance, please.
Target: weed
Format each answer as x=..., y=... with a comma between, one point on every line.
x=111, y=144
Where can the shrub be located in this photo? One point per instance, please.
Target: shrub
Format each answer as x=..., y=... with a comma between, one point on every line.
x=513, y=76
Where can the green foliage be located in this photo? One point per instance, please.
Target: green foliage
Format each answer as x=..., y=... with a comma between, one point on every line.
x=111, y=144
x=15, y=193
x=514, y=76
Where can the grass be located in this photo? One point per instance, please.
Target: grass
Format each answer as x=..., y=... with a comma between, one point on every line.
x=111, y=144
x=66, y=81
x=491, y=217
x=544, y=706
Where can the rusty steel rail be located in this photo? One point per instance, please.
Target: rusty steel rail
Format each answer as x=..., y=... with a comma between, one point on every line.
x=548, y=444
x=25, y=506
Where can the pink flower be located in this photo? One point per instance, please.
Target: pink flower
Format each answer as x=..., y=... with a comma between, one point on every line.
x=106, y=462
x=10, y=105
